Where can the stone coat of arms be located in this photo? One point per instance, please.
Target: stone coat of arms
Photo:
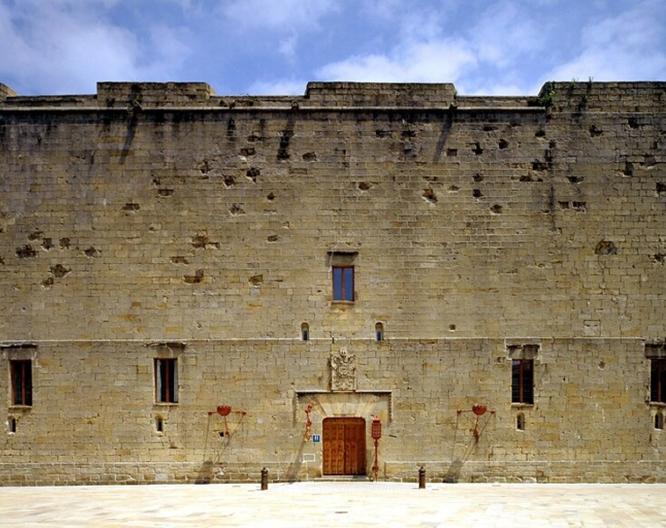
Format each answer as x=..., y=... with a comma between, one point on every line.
x=343, y=371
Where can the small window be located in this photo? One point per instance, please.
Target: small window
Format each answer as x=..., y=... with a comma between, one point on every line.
x=166, y=381
x=520, y=422
x=659, y=421
x=305, y=332
x=11, y=425
x=159, y=424
x=658, y=380
x=21, y=377
x=522, y=381
x=379, y=332
x=343, y=283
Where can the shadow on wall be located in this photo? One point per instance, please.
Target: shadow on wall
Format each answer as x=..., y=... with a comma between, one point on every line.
x=469, y=446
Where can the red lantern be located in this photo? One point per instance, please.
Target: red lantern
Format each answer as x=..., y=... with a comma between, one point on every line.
x=224, y=410
x=376, y=429
x=479, y=410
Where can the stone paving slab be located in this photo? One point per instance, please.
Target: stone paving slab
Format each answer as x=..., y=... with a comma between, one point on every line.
x=322, y=504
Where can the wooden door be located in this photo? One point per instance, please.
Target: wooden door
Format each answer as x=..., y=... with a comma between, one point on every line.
x=344, y=446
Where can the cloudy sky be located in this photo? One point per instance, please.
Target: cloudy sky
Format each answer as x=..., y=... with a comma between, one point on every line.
x=276, y=46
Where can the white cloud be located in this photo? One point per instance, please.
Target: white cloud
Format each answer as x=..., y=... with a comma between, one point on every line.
x=441, y=60
x=629, y=46
x=65, y=46
x=505, y=33
x=280, y=15
x=283, y=87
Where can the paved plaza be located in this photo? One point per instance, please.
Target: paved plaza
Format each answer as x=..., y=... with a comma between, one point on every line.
x=320, y=504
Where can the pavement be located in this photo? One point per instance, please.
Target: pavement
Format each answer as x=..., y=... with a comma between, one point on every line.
x=349, y=504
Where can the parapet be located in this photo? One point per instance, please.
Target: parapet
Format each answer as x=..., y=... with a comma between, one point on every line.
x=353, y=94
x=591, y=96
x=557, y=97
x=6, y=91
x=153, y=94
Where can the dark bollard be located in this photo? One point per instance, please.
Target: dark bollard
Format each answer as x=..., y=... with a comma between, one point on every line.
x=422, y=477
x=264, y=479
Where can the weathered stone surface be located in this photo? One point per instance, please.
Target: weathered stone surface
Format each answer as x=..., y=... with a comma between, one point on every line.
x=481, y=227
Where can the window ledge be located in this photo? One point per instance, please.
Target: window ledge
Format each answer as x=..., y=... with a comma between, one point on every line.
x=342, y=303
x=165, y=404
x=20, y=407
x=658, y=405
x=515, y=405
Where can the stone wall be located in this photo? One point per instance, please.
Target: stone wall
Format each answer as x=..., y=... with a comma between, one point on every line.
x=153, y=220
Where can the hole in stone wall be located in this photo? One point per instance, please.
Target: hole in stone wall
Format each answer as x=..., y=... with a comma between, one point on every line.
x=131, y=206
x=379, y=332
x=451, y=152
x=520, y=422
x=452, y=328
x=270, y=196
x=594, y=131
x=305, y=331
x=659, y=421
x=11, y=425
x=661, y=188
x=477, y=193
x=477, y=149
x=605, y=247
x=628, y=169
x=196, y=278
x=247, y=151
x=502, y=144
x=26, y=251
x=429, y=195
x=252, y=173
x=496, y=209
x=363, y=186
x=540, y=133
x=477, y=177
x=310, y=156
x=159, y=424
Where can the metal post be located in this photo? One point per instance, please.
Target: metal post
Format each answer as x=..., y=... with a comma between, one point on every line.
x=375, y=466
x=422, y=477
x=264, y=479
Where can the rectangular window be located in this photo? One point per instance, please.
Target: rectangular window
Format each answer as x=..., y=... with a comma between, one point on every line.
x=343, y=283
x=166, y=380
x=658, y=380
x=522, y=381
x=21, y=374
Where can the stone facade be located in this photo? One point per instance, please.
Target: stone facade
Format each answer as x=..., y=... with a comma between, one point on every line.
x=160, y=221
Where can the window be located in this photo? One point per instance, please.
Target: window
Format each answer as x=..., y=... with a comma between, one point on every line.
x=522, y=381
x=343, y=283
x=520, y=422
x=166, y=381
x=659, y=421
x=379, y=332
x=21, y=376
x=658, y=380
x=305, y=332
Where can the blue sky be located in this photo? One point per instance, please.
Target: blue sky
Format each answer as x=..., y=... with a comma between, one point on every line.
x=276, y=46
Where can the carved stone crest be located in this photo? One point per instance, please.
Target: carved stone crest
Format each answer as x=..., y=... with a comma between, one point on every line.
x=343, y=371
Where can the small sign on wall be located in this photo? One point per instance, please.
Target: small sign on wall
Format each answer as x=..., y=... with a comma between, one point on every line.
x=316, y=438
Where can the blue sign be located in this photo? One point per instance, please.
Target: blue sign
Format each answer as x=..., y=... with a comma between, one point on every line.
x=316, y=438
